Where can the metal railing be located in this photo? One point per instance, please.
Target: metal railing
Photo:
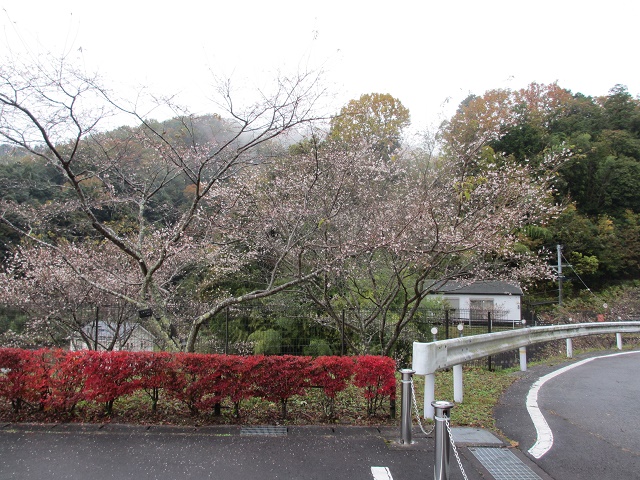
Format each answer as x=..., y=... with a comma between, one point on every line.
x=428, y=358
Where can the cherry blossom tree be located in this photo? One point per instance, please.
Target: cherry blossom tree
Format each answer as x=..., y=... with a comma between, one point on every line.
x=163, y=216
x=422, y=227
x=307, y=214
x=140, y=206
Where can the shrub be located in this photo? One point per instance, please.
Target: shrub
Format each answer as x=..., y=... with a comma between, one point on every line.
x=108, y=376
x=66, y=380
x=242, y=374
x=376, y=375
x=198, y=380
x=16, y=372
x=266, y=342
x=55, y=380
x=332, y=374
x=153, y=373
x=318, y=347
x=281, y=377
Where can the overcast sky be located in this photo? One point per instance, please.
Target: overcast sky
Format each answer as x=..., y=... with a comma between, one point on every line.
x=428, y=54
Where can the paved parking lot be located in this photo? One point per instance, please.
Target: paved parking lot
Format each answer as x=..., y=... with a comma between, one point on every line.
x=30, y=452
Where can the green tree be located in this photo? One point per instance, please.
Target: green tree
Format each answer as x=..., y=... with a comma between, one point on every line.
x=621, y=110
x=266, y=342
x=375, y=120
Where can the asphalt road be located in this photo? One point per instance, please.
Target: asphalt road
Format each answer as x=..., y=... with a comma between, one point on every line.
x=32, y=452
x=593, y=411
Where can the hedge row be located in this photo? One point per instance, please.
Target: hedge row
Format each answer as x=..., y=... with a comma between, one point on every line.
x=57, y=380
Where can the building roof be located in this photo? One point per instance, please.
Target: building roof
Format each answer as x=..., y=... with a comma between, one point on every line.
x=481, y=287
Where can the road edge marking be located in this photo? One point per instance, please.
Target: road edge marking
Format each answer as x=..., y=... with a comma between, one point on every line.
x=544, y=435
x=381, y=473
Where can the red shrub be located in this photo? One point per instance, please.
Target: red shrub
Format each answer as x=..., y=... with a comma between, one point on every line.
x=242, y=374
x=153, y=372
x=281, y=377
x=66, y=380
x=376, y=375
x=199, y=381
x=332, y=374
x=23, y=377
x=109, y=375
x=57, y=380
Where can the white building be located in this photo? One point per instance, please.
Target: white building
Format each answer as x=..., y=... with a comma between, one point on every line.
x=123, y=336
x=474, y=301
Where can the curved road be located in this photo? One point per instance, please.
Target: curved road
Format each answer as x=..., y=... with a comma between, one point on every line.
x=593, y=412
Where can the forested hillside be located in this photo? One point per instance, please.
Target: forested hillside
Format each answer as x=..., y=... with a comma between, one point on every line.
x=349, y=229
x=598, y=185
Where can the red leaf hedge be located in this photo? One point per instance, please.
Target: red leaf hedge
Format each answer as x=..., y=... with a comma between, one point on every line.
x=332, y=374
x=57, y=380
x=20, y=376
x=109, y=376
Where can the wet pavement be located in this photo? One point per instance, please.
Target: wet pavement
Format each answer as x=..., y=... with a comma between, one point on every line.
x=99, y=452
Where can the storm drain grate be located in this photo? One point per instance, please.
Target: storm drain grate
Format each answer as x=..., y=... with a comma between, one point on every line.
x=263, y=431
x=503, y=464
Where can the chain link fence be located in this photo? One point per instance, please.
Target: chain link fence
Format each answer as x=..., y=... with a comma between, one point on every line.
x=284, y=329
x=279, y=330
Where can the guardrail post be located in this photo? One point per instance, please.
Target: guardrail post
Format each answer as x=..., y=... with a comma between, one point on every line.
x=489, y=329
x=523, y=359
x=458, y=387
x=429, y=394
x=569, y=348
x=405, y=423
x=441, y=466
x=619, y=340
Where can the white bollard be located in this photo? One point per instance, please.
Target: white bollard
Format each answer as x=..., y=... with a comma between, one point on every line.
x=619, y=340
x=523, y=359
x=569, y=348
x=458, y=387
x=429, y=394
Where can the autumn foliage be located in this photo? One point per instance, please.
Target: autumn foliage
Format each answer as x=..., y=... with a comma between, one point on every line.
x=57, y=381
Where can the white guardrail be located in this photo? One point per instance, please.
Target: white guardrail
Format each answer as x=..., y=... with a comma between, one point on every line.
x=428, y=358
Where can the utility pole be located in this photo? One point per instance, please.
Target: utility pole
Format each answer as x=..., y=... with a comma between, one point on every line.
x=559, y=274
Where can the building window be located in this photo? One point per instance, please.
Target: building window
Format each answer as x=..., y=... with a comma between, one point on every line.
x=480, y=308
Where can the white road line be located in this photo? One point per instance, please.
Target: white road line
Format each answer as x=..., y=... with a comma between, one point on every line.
x=544, y=440
x=381, y=473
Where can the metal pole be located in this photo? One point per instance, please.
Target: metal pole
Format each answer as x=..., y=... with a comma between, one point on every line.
x=405, y=423
x=441, y=466
x=95, y=344
x=559, y=247
x=430, y=385
x=619, y=341
x=569, y=348
x=446, y=324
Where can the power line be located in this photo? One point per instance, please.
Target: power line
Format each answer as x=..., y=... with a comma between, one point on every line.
x=576, y=274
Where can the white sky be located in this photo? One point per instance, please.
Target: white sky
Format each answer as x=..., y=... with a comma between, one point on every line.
x=422, y=52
